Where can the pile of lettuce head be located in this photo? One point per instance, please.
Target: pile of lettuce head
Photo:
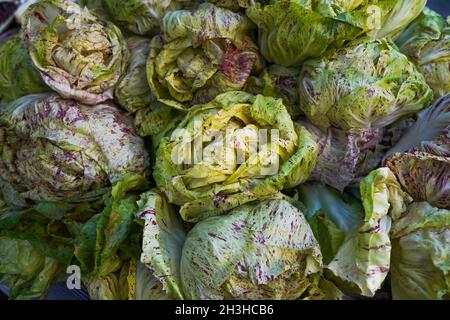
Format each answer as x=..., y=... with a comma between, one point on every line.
x=225, y=149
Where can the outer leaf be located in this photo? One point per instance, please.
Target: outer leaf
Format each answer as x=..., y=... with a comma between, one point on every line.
x=163, y=241
x=355, y=242
x=141, y=16
x=420, y=254
x=278, y=82
x=143, y=285
x=427, y=42
x=102, y=239
x=132, y=91
x=421, y=159
x=103, y=288
x=353, y=153
x=424, y=176
x=23, y=270
x=291, y=32
x=378, y=18
x=18, y=77
x=431, y=123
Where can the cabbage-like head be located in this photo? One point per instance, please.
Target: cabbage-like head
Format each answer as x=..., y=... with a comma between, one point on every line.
x=55, y=149
x=427, y=42
x=201, y=53
x=141, y=17
x=260, y=250
x=421, y=159
x=78, y=55
x=291, y=31
x=233, y=150
x=368, y=84
x=421, y=254
x=18, y=77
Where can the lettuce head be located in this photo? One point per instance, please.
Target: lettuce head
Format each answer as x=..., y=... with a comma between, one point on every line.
x=230, y=151
x=78, y=55
x=199, y=54
x=133, y=93
x=260, y=250
x=426, y=41
x=353, y=233
x=55, y=149
x=367, y=84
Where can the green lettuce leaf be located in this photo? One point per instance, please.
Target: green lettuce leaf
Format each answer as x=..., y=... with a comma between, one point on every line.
x=377, y=18
x=354, y=236
x=291, y=32
x=278, y=82
x=100, y=248
x=18, y=77
x=421, y=254
x=27, y=273
x=142, y=17
x=427, y=42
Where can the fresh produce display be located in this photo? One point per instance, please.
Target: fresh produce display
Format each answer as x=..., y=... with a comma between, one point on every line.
x=250, y=150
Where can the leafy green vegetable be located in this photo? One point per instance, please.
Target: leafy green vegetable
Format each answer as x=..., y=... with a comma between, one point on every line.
x=261, y=250
x=421, y=254
x=291, y=32
x=56, y=150
x=139, y=16
x=278, y=82
x=27, y=273
x=378, y=18
x=368, y=84
x=133, y=92
x=18, y=77
x=100, y=247
x=292, y=155
x=421, y=159
x=427, y=42
x=354, y=236
x=222, y=155
x=352, y=153
x=78, y=55
x=199, y=54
